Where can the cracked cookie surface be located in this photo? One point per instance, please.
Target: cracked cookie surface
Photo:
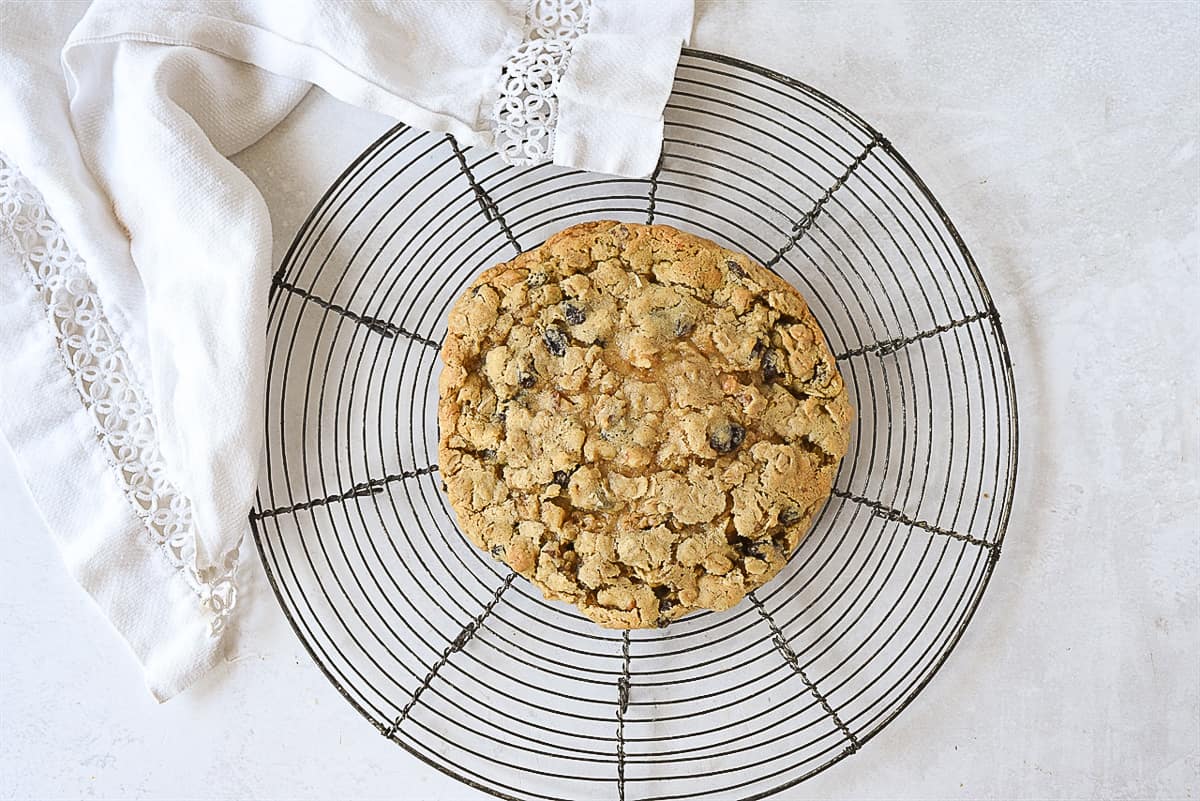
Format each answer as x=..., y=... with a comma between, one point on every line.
x=637, y=420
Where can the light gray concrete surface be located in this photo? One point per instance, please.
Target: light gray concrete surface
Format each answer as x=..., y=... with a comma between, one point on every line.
x=1063, y=141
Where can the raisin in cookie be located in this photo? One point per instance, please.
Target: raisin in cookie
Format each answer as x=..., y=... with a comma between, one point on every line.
x=639, y=421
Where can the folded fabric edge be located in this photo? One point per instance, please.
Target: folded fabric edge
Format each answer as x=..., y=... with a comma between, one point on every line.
x=275, y=53
x=630, y=149
x=616, y=84
x=104, y=545
x=124, y=545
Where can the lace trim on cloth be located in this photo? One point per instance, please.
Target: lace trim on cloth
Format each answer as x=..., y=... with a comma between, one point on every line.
x=100, y=369
x=526, y=108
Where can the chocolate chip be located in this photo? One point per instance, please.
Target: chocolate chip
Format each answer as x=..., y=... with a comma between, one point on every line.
x=562, y=478
x=488, y=454
x=726, y=437
x=556, y=341
x=735, y=268
x=573, y=313
x=771, y=364
x=683, y=327
x=789, y=516
x=536, y=279
x=526, y=380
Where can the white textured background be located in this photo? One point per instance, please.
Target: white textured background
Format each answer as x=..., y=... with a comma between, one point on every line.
x=1062, y=139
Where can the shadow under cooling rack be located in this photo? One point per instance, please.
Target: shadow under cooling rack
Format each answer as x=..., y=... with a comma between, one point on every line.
x=464, y=664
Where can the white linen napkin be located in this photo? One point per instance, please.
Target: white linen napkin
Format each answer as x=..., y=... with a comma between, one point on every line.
x=135, y=258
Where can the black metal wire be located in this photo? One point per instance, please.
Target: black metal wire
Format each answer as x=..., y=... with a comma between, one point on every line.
x=466, y=666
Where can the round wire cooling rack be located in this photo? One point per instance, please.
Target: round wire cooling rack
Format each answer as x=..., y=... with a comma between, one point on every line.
x=465, y=665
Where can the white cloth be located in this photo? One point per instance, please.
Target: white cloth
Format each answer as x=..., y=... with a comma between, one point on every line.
x=135, y=258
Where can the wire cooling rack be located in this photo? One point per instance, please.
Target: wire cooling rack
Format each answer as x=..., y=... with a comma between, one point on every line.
x=465, y=665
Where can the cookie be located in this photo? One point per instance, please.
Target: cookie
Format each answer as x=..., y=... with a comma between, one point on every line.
x=637, y=420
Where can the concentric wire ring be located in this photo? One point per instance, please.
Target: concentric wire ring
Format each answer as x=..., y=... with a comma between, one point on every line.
x=464, y=664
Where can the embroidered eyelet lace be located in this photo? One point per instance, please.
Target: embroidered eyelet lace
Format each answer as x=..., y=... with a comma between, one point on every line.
x=526, y=109
x=104, y=379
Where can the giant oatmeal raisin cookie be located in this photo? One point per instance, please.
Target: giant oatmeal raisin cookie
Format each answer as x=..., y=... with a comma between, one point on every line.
x=639, y=421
